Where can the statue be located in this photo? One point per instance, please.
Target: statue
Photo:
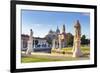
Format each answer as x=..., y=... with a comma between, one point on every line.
x=30, y=43
x=77, y=40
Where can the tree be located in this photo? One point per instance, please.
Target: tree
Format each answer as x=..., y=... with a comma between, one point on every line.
x=84, y=40
x=50, y=37
x=70, y=39
x=49, y=40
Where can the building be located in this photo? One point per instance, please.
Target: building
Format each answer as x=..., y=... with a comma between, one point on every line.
x=60, y=41
x=38, y=43
x=54, y=39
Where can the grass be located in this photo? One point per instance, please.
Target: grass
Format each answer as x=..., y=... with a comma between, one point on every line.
x=36, y=59
x=85, y=50
x=68, y=50
x=41, y=59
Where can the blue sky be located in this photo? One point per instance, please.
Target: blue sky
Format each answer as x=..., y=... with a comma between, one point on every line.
x=42, y=21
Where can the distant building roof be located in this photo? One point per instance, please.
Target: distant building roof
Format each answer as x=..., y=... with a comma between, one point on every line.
x=51, y=31
x=39, y=38
x=24, y=35
x=27, y=36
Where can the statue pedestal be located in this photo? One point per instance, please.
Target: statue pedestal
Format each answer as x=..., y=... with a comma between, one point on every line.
x=77, y=53
x=77, y=49
x=30, y=49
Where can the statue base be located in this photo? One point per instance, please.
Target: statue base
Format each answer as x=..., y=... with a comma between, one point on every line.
x=77, y=53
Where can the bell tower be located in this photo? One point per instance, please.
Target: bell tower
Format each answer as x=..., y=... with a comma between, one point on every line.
x=63, y=28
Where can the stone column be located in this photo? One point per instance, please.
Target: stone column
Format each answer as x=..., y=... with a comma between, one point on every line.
x=30, y=43
x=76, y=44
x=63, y=44
x=60, y=43
x=53, y=44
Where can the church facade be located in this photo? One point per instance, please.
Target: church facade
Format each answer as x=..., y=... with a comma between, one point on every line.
x=60, y=41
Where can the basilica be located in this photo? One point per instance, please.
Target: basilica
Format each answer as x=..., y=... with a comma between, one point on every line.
x=60, y=39
x=57, y=38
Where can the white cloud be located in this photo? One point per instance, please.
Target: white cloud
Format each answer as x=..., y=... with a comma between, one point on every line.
x=87, y=14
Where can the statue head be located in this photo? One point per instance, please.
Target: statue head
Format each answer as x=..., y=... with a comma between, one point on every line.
x=77, y=27
x=77, y=24
x=31, y=32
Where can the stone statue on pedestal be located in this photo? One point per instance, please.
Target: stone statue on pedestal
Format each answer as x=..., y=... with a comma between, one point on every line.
x=30, y=43
x=77, y=40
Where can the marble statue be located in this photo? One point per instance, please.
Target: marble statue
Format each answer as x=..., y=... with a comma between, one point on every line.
x=30, y=43
x=77, y=40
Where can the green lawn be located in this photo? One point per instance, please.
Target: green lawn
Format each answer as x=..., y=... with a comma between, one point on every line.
x=36, y=59
x=85, y=50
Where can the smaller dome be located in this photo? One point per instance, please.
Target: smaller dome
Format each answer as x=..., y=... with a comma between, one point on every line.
x=50, y=31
